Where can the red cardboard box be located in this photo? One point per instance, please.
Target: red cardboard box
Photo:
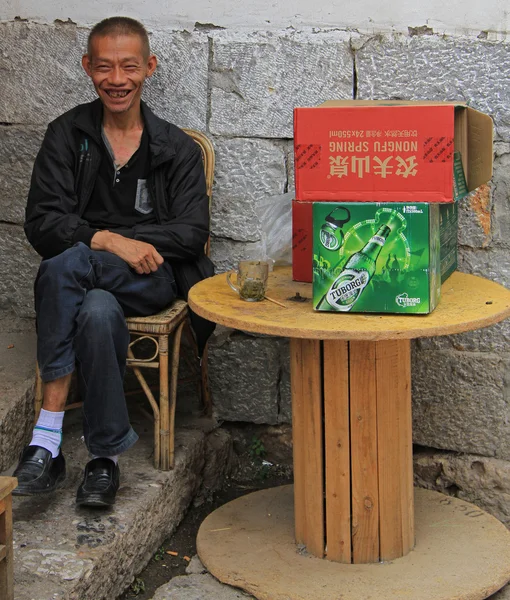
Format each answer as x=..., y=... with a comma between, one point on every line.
x=388, y=151
x=302, y=241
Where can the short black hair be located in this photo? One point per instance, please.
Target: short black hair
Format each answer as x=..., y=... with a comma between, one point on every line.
x=120, y=26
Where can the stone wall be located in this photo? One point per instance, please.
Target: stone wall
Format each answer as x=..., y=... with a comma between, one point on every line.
x=240, y=88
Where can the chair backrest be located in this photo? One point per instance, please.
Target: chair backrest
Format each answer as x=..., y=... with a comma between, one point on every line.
x=208, y=157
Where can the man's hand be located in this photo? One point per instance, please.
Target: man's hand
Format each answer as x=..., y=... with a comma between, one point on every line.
x=142, y=257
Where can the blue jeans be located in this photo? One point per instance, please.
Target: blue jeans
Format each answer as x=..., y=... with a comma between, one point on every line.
x=81, y=299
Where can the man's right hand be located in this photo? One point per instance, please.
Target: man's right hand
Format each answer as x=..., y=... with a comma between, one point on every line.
x=140, y=256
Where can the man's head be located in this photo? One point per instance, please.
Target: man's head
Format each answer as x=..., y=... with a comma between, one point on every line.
x=118, y=61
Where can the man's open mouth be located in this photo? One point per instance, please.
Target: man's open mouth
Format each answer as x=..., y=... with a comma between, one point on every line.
x=118, y=93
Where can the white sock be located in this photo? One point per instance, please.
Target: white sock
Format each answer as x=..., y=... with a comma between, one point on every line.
x=115, y=458
x=48, y=431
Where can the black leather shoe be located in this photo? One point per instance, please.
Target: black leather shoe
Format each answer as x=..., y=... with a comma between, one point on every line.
x=100, y=483
x=38, y=472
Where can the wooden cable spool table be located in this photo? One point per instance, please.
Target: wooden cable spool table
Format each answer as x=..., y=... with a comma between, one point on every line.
x=354, y=501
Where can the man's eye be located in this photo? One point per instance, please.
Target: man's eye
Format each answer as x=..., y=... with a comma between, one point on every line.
x=102, y=68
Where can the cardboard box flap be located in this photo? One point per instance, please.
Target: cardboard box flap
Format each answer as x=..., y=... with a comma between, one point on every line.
x=479, y=148
x=354, y=103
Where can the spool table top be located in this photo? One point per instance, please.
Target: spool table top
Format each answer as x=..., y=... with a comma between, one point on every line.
x=467, y=302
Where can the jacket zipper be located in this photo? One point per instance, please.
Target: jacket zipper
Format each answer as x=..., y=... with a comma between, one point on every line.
x=89, y=178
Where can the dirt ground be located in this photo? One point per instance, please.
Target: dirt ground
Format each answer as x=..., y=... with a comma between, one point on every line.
x=249, y=476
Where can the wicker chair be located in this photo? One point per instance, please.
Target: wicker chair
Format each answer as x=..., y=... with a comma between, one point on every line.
x=158, y=329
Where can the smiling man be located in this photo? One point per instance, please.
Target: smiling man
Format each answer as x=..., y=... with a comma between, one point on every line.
x=118, y=211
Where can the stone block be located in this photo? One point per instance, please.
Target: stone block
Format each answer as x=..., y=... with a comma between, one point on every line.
x=218, y=463
x=285, y=410
x=41, y=71
x=18, y=268
x=42, y=75
x=501, y=199
x=491, y=262
x=246, y=171
x=460, y=402
x=18, y=148
x=195, y=566
x=501, y=148
x=438, y=68
x=277, y=441
x=226, y=253
x=258, y=79
x=475, y=218
x=478, y=479
x=244, y=374
x=177, y=91
x=17, y=377
x=192, y=587
x=489, y=339
x=290, y=167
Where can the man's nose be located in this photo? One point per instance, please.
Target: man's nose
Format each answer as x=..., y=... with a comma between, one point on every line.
x=117, y=76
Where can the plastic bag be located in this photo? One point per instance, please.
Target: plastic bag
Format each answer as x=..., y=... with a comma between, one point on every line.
x=275, y=214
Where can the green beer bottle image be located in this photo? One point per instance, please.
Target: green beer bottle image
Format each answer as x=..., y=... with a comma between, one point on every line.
x=355, y=276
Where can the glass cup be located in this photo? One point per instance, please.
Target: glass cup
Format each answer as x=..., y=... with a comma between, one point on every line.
x=251, y=280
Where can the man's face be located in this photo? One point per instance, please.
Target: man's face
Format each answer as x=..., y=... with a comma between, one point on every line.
x=118, y=68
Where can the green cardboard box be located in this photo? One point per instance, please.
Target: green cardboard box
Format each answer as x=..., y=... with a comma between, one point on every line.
x=448, y=234
x=382, y=257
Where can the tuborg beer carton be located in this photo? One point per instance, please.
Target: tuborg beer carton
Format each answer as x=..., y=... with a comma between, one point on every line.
x=381, y=257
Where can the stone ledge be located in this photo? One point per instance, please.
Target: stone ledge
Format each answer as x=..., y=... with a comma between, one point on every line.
x=17, y=370
x=62, y=551
x=478, y=479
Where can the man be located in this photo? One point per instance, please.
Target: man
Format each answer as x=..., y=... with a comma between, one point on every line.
x=118, y=211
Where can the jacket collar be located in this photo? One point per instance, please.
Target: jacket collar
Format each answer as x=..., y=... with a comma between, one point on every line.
x=162, y=147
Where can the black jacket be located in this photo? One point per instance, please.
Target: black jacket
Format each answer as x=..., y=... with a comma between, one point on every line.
x=64, y=176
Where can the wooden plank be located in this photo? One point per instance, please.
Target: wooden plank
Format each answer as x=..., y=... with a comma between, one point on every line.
x=306, y=386
x=337, y=451
x=7, y=484
x=363, y=416
x=406, y=448
x=389, y=403
x=396, y=498
x=298, y=449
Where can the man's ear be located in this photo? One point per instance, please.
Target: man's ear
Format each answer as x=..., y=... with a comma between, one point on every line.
x=152, y=63
x=85, y=63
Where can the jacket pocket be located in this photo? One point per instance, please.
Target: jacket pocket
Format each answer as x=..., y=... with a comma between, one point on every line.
x=143, y=202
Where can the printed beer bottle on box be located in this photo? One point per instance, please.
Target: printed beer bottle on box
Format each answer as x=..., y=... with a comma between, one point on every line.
x=358, y=271
x=387, y=258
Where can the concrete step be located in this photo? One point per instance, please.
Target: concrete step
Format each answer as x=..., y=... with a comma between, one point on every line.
x=61, y=551
x=17, y=370
x=65, y=552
